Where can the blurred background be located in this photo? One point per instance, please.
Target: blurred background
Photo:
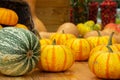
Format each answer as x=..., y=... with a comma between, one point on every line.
x=55, y=12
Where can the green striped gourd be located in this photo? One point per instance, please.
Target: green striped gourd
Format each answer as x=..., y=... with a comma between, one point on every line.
x=19, y=51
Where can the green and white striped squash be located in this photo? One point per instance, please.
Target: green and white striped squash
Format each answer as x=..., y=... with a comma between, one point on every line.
x=19, y=51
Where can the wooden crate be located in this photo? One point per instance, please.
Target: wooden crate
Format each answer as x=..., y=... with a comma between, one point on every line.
x=53, y=13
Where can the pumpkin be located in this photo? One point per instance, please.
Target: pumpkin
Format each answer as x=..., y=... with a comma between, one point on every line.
x=114, y=47
x=92, y=34
x=68, y=27
x=80, y=47
x=61, y=37
x=8, y=17
x=55, y=58
x=19, y=51
x=99, y=40
x=105, y=64
x=108, y=29
x=112, y=27
x=21, y=26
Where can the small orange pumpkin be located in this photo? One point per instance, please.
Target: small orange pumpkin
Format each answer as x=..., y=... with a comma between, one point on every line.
x=61, y=37
x=8, y=17
x=81, y=48
x=55, y=58
x=105, y=64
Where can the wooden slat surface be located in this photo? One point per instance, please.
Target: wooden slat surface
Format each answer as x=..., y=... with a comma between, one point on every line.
x=79, y=71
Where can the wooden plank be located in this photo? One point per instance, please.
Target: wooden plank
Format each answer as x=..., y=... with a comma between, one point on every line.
x=79, y=71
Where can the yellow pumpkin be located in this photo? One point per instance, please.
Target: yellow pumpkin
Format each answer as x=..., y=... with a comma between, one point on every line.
x=55, y=58
x=21, y=26
x=61, y=37
x=115, y=47
x=105, y=64
x=99, y=40
x=8, y=17
x=80, y=47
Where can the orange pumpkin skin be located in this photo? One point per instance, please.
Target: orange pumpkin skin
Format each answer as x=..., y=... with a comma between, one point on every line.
x=8, y=17
x=105, y=64
x=80, y=47
x=61, y=37
x=100, y=40
x=55, y=58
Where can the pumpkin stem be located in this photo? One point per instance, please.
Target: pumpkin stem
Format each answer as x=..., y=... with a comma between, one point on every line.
x=98, y=33
x=54, y=42
x=80, y=36
x=110, y=39
x=109, y=49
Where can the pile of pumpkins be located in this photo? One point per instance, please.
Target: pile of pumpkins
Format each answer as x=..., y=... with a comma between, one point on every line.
x=102, y=53
x=9, y=18
x=21, y=51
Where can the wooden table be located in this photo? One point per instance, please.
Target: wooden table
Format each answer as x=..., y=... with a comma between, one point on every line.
x=79, y=71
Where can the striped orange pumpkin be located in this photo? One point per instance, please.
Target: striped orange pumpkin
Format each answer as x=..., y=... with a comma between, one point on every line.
x=99, y=40
x=8, y=17
x=115, y=47
x=80, y=47
x=105, y=64
x=61, y=37
x=55, y=58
